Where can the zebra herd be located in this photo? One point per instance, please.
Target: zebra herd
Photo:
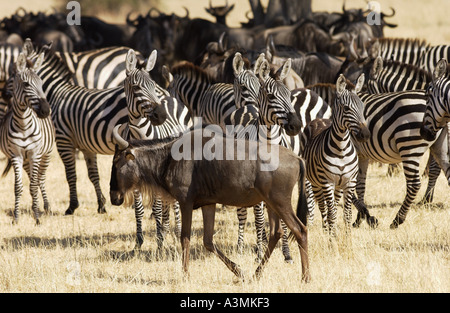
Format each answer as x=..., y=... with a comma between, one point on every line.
x=395, y=113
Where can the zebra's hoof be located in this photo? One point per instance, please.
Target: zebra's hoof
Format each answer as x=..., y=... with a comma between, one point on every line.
x=69, y=211
x=395, y=223
x=289, y=260
x=372, y=221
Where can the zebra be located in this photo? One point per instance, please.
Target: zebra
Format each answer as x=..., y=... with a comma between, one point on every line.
x=392, y=76
x=139, y=110
x=394, y=121
x=331, y=158
x=84, y=119
x=27, y=134
x=437, y=112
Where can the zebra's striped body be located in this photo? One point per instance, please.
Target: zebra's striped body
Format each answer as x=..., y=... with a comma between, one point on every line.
x=139, y=111
x=27, y=134
x=84, y=120
x=331, y=158
x=394, y=121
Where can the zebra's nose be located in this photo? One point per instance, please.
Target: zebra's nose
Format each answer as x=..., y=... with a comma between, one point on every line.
x=44, y=109
x=293, y=125
x=426, y=133
x=158, y=116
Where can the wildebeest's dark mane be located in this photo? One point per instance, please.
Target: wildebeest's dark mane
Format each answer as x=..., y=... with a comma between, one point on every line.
x=154, y=143
x=186, y=67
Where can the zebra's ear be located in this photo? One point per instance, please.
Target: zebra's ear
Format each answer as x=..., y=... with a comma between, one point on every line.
x=285, y=69
x=258, y=63
x=21, y=63
x=131, y=61
x=151, y=61
x=440, y=69
x=238, y=64
x=341, y=84
x=360, y=83
x=27, y=48
x=39, y=61
x=264, y=70
x=377, y=67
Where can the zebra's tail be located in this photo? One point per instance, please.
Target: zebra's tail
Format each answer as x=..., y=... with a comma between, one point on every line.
x=7, y=168
x=302, y=204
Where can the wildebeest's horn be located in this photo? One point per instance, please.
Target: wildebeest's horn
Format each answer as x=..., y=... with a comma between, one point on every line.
x=221, y=43
x=392, y=14
x=117, y=139
x=187, y=12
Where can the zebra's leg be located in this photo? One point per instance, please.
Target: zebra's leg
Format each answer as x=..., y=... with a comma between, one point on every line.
x=139, y=214
x=433, y=172
x=176, y=211
x=318, y=194
x=242, y=219
x=33, y=174
x=411, y=169
x=328, y=194
x=18, y=186
x=165, y=218
x=285, y=244
x=45, y=161
x=261, y=236
x=157, y=214
x=310, y=201
x=67, y=153
x=358, y=200
x=91, y=163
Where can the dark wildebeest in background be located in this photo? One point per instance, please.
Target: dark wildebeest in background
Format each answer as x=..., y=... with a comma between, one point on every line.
x=242, y=176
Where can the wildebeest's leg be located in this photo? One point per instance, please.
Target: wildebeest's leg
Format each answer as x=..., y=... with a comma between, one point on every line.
x=91, y=163
x=139, y=214
x=208, y=213
x=67, y=153
x=45, y=161
x=18, y=185
x=412, y=175
x=186, y=225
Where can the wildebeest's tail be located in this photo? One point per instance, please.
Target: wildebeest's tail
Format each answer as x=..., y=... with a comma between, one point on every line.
x=302, y=204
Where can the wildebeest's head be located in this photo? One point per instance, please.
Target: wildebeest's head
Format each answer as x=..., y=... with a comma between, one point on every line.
x=124, y=174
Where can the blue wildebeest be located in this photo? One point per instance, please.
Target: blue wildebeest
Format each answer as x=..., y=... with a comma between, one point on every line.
x=237, y=173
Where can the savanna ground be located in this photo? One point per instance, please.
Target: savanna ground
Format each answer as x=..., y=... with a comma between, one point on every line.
x=88, y=252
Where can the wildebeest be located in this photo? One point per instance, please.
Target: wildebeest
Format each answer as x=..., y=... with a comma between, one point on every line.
x=240, y=175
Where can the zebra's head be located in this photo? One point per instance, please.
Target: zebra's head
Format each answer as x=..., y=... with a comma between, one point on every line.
x=275, y=99
x=349, y=109
x=246, y=84
x=437, y=113
x=140, y=90
x=27, y=86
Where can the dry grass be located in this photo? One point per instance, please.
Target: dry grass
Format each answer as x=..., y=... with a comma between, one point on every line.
x=88, y=252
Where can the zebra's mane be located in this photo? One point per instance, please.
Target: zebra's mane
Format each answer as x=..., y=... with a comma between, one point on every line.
x=391, y=65
x=191, y=70
x=414, y=42
x=51, y=56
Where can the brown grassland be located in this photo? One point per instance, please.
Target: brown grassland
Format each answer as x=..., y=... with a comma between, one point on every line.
x=88, y=252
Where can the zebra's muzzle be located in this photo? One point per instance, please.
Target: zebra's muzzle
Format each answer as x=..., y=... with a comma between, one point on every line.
x=158, y=115
x=43, y=109
x=427, y=133
x=293, y=125
x=362, y=133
